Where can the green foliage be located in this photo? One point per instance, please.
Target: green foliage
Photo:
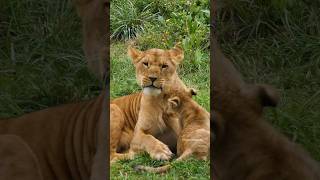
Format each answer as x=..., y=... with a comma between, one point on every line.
x=127, y=19
x=176, y=21
x=188, y=24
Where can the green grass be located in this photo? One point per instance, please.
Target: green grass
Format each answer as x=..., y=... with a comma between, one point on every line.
x=123, y=82
x=189, y=169
x=279, y=44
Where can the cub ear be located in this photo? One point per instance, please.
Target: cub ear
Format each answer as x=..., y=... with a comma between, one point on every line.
x=134, y=54
x=193, y=92
x=176, y=53
x=268, y=95
x=174, y=101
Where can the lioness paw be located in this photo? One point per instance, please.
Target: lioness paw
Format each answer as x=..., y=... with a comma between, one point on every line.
x=161, y=152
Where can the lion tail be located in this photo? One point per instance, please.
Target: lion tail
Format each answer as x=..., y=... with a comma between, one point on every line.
x=160, y=169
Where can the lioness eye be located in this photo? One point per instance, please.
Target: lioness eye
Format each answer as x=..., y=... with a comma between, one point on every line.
x=164, y=66
x=145, y=63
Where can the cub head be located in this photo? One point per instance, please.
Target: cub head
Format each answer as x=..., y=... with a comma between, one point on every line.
x=178, y=97
x=155, y=67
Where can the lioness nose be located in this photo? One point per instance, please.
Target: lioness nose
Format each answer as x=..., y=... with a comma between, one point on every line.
x=152, y=79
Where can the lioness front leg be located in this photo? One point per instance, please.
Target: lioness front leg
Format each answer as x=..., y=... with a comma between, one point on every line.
x=146, y=142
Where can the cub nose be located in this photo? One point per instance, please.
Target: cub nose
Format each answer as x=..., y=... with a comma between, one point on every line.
x=152, y=79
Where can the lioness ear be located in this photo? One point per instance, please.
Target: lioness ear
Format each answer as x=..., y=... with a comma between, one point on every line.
x=174, y=101
x=268, y=95
x=134, y=54
x=176, y=53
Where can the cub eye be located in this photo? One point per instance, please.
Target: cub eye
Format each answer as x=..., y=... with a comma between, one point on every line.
x=164, y=66
x=146, y=64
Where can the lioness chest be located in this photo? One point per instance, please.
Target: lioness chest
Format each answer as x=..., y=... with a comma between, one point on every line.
x=151, y=115
x=153, y=120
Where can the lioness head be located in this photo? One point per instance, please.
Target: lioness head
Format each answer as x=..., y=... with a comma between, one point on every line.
x=155, y=67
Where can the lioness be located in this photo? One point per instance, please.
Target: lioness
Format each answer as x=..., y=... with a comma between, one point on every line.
x=194, y=138
x=136, y=125
x=247, y=147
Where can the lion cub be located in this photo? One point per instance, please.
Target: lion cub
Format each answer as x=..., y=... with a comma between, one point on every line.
x=195, y=122
x=194, y=139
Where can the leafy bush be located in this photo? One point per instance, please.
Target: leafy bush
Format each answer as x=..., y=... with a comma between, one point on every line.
x=188, y=24
x=127, y=20
x=161, y=24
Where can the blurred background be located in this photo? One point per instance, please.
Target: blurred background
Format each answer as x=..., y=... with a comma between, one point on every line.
x=42, y=63
x=278, y=42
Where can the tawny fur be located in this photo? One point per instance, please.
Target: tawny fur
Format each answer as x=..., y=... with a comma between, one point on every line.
x=194, y=138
